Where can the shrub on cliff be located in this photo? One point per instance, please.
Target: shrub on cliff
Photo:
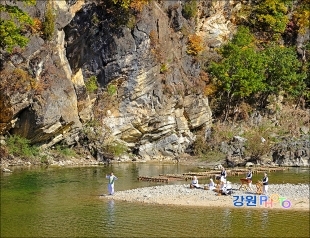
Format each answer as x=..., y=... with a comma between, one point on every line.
x=136, y=5
x=17, y=80
x=115, y=148
x=302, y=15
x=256, y=145
x=13, y=24
x=20, y=146
x=194, y=45
x=91, y=84
x=65, y=151
x=270, y=16
x=111, y=89
x=190, y=9
x=49, y=22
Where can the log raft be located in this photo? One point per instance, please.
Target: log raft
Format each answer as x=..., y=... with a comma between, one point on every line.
x=165, y=178
x=153, y=179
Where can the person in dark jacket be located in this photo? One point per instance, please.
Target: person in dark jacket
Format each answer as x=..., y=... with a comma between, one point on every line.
x=249, y=178
x=265, y=183
x=223, y=175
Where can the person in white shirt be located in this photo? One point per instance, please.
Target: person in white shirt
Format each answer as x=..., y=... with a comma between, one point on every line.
x=111, y=179
x=211, y=184
x=195, y=183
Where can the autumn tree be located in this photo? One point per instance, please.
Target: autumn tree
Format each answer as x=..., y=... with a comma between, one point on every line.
x=270, y=16
x=301, y=15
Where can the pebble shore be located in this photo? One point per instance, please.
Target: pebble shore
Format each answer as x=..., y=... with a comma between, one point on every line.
x=297, y=194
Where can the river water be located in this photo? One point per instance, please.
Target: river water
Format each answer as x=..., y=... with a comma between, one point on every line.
x=64, y=202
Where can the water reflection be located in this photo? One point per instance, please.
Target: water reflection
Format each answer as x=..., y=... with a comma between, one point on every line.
x=264, y=220
x=110, y=214
x=248, y=218
x=227, y=220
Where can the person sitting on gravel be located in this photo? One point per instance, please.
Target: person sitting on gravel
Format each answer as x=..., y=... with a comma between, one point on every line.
x=226, y=188
x=211, y=184
x=195, y=183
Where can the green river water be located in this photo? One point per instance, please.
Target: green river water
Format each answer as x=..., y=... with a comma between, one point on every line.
x=64, y=202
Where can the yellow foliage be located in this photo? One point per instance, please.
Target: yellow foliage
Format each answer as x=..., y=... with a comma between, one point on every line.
x=301, y=16
x=138, y=5
x=37, y=25
x=210, y=89
x=195, y=45
x=302, y=19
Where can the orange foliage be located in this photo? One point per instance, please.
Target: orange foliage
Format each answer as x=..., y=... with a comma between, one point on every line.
x=138, y=5
x=195, y=45
x=37, y=25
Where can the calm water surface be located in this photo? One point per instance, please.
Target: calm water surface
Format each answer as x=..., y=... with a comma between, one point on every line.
x=64, y=202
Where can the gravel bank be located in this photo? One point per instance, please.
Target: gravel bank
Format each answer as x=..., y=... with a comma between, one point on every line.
x=296, y=194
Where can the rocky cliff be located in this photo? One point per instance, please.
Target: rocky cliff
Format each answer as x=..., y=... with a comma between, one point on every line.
x=150, y=89
x=153, y=109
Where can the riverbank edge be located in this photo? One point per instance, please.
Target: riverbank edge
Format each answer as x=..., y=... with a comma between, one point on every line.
x=75, y=162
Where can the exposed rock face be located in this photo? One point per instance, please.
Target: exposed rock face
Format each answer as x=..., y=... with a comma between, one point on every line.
x=290, y=152
x=156, y=123
x=42, y=105
x=154, y=108
x=215, y=21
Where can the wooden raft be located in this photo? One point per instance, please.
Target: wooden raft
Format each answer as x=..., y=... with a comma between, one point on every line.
x=174, y=176
x=165, y=178
x=153, y=179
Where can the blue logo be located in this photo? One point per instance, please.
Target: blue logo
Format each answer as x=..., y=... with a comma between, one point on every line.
x=261, y=200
